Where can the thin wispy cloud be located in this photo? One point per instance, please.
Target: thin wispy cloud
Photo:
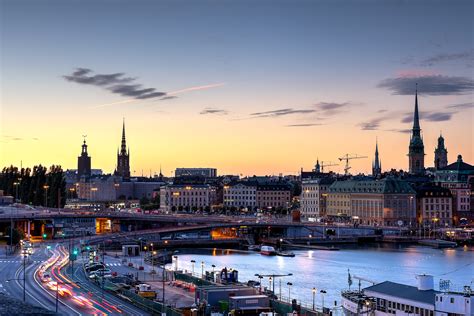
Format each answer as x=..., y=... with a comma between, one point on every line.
x=213, y=111
x=466, y=57
x=433, y=116
x=304, y=125
x=428, y=85
x=462, y=106
x=119, y=83
x=281, y=112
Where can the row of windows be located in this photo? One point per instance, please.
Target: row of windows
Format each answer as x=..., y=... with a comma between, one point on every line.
x=441, y=207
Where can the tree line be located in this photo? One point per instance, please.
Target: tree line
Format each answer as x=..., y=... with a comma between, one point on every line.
x=39, y=186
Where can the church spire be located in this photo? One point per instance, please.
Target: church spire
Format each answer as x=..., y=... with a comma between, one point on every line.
x=377, y=165
x=123, y=148
x=416, y=117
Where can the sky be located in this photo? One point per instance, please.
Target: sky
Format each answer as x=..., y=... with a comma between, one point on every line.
x=247, y=87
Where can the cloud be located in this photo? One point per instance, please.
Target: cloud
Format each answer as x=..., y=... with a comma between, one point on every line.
x=304, y=125
x=213, y=111
x=373, y=124
x=331, y=108
x=281, y=112
x=467, y=56
x=429, y=116
x=429, y=85
x=119, y=83
x=168, y=97
x=462, y=106
x=404, y=131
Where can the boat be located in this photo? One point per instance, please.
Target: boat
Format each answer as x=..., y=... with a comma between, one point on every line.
x=254, y=247
x=285, y=254
x=267, y=251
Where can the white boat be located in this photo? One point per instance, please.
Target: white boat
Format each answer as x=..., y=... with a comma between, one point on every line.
x=267, y=251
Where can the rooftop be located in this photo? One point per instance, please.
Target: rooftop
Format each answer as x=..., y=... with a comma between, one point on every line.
x=403, y=291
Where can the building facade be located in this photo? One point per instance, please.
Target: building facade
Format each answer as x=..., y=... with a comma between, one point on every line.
x=440, y=154
x=416, y=150
x=434, y=206
x=84, y=163
x=123, y=158
x=388, y=202
x=182, y=197
x=456, y=177
x=273, y=195
x=240, y=195
x=313, y=198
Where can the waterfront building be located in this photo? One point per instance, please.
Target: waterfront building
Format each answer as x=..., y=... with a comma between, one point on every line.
x=456, y=177
x=313, y=197
x=187, y=197
x=101, y=188
x=390, y=298
x=433, y=206
x=204, y=172
x=416, y=151
x=123, y=158
x=388, y=202
x=376, y=163
x=440, y=154
x=137, y=189
x=84, y=163
x=276, y=195
x=240, y=195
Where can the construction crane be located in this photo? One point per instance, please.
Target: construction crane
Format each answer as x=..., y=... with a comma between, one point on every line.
x=329, y=164
x=348, y=157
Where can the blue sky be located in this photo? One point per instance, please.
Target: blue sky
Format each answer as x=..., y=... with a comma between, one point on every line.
x=342, y=70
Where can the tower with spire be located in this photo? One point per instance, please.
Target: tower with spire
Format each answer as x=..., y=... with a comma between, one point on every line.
x=441, y=154
x=376, y=163
x=317, y=167
x=123, y=158
x=84, y=163
x=416, y=150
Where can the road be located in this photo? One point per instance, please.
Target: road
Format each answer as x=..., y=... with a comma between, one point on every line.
x=85, y=299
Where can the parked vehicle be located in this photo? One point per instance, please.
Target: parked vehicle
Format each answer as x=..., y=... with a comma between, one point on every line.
x=267, y=251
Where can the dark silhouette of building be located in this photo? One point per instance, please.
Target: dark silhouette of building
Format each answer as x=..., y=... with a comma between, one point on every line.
x=416, y=152
x=317, y=167
x=84, y=163
x=441, y=154
x=377, y=163
x=123, y=158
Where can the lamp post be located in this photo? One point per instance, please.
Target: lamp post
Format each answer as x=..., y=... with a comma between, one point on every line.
x=46, y=187
x=153, y=262
x=270, y=283
x=289, y=291
x=213, y=266
x=202, y=269
x=272, y=278
x=192, y=266
x=322, y=294
x=314, y=296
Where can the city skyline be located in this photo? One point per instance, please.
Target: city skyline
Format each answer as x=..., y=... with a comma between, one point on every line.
x=267, y=97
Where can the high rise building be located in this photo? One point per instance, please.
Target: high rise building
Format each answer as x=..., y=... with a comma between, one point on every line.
x=441, y=154
x=377, y=163
x=416, y=152
x=123, y=158
x=84, y=163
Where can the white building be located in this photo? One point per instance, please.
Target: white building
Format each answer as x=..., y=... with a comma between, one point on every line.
x=241, y=195
x=389, y=298
x=313, y=197
x=205, y=172
x=187, y=197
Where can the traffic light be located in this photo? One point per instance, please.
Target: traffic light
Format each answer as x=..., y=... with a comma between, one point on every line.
x=88, y=248
x=44, y=236
x=48, y=247
x=75, y=251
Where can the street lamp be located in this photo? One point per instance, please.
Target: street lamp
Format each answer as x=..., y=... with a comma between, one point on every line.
x=289, y=291
x=314, y=296
x=213, y=266
x=322, y=294
x=153, y=262
x=269, y=282
x=192, y=265
x=46, y=187
x=202, y=269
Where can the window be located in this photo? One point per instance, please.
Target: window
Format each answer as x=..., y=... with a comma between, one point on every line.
x=452, y=300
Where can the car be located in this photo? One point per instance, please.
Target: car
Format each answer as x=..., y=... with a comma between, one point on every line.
x=95, y=268
x=82, y=301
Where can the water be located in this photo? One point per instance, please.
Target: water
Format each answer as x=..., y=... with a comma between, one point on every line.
x=327, y=270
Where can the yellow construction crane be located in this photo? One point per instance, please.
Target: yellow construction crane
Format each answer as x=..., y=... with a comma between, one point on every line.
x=348, y=157
x=328, y=164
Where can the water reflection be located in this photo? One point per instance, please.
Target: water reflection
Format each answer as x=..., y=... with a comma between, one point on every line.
x=327, y=270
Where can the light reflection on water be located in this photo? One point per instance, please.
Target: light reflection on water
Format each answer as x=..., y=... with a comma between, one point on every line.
x=328, y=269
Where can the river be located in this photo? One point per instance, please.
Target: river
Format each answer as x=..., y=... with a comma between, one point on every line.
x=327, y=270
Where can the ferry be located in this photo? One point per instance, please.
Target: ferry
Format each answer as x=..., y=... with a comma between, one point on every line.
x=267, y=251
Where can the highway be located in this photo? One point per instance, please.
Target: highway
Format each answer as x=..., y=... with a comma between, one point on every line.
x=76, y=296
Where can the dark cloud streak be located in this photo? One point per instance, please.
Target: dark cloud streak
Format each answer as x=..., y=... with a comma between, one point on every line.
x=428, y=85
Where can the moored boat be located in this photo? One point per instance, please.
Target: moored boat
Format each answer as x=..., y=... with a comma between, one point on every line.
x=267, y=251
x=285, y=254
